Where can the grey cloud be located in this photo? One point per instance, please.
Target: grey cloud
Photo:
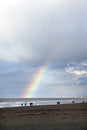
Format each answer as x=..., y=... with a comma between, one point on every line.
x=82, y=81
x=50, y=32
x=77, y=68
x=79, y=72
x=33, y=33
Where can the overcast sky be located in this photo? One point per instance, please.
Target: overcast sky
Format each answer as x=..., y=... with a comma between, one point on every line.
x=34, y=32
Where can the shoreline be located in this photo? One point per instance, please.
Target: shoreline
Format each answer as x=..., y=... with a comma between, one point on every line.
x=65, y=104
x=49, y=117
x=17, y=102
x=34, y=105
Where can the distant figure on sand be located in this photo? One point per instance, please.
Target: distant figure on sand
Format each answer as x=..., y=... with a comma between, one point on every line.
x=83, y=102
x=73, y=102
x=21, y=104
x=58, y=102
x=31, y=104
x=25, y=104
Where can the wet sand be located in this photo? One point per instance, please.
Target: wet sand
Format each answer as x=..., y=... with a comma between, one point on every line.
x=51, y=117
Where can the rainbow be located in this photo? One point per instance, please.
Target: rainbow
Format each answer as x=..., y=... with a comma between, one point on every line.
x=36, y=81
x=40, y=74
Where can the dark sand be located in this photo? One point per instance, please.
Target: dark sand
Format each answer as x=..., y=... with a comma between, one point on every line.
x=53, y=117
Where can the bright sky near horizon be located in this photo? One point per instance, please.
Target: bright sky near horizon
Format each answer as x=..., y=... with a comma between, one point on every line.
x=43, y=48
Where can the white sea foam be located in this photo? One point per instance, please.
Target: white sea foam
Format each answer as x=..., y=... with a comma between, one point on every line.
x=15, y=102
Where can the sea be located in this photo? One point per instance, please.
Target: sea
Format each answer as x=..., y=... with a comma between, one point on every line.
x=17, y=102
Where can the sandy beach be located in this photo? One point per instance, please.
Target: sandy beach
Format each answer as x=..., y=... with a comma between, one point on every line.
x=51, y=117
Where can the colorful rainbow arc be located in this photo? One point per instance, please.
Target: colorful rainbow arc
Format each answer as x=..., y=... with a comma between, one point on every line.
x=35, y=83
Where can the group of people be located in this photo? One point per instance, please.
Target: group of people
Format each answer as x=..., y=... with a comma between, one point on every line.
x=31, y=104
x=25, y=104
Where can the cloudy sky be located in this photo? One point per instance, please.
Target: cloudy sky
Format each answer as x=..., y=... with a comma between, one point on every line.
x=38, y=32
